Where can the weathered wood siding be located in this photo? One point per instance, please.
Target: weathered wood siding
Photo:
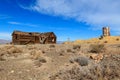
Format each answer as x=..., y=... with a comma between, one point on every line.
x=33, y=38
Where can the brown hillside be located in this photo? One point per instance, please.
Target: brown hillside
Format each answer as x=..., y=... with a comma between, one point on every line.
x=106, y=40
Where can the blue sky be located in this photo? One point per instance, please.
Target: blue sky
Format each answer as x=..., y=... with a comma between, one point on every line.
x=74, y=19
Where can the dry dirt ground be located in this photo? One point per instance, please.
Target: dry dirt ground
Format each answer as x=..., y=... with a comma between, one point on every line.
x=60, y=62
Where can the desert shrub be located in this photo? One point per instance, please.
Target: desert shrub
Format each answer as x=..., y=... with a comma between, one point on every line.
x=39, y=61
x=1, y=69
x=97, y=48
x=43, y=51
x=52, y=46
x=76, y=47
x=108, y=69
x=83, y=61
x=117, y=39
x=42, y=60
x=61, y=53
x=15, y=50
x=12, y=49
x=36, y=54
x=73, y=74
x=105, y=41
x=72, y=60
x=31, y=47
x=2, y=59
x=118, y=46
x=69, y=50
x=8, y=51
x=3, y=54
x=101, y=37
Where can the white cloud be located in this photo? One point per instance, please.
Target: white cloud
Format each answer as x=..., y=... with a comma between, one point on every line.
x=22, y=24
x=15, y=23
x=5, y=35
x=97, y=13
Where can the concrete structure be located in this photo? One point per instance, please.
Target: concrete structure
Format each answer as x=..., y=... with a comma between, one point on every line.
x=19, y=37
x=106, y=31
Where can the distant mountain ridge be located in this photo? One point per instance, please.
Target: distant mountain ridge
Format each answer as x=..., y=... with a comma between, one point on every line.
x=60, y=42
x=2, y=41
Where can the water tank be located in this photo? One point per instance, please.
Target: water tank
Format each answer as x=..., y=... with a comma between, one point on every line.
x=106, y=31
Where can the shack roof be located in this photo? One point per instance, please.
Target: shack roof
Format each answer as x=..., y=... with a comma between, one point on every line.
x=26, y=33
x=46, y=34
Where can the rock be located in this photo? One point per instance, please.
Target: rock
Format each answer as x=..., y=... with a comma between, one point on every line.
x=96, y=57
x=93, y=56
x=12, y=71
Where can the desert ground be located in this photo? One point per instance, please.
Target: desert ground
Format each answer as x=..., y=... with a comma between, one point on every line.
x=60, y=62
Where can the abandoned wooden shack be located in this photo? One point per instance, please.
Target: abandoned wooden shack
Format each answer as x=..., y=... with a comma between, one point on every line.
x=19, y=37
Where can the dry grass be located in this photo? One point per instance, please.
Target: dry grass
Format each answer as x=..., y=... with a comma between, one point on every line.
x=36, y=54
x=97, y=48
x=60, y=62
x=106, y=40
x=76, y=47
x=10, y=51
x=69, y=50
x=14, y=49
x=105, y=70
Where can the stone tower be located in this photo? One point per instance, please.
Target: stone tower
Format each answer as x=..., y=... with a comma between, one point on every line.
x=106, y=31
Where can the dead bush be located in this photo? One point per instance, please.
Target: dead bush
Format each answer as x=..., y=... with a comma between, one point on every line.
x=105, y=41
x=1, y=69
x=42, y=60
x=35, y=54
x=76, y=47
x=31, y=47
x=2, y=59
x=3, y=54
x=14, y=50
x=8, y=51
x=73, y=74
x=69, y=50
x=83, y=61
x=39, y=61
x=52, y=46
x=11, y=50
x=108, y=69
x=43, y=51
x=117, y=39
x=61, y=53
x=71, y=60
x=97, y=48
